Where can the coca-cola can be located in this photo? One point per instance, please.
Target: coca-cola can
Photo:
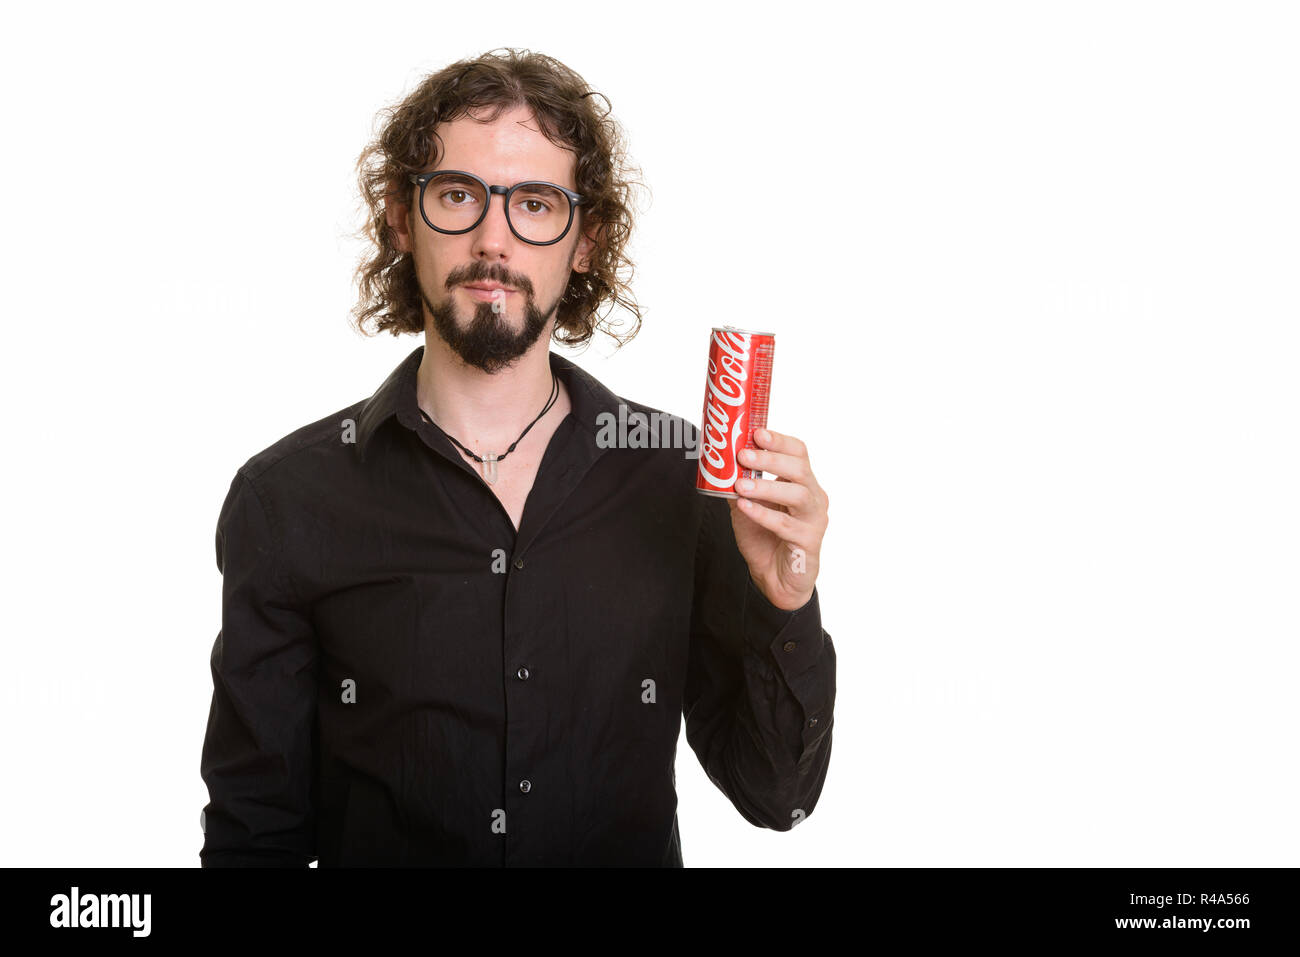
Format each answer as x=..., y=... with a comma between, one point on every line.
x=735, y=404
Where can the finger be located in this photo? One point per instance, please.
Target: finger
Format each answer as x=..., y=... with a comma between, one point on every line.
x=789, y=467
x=798, y=498
x=780, y=442
x=783, y=524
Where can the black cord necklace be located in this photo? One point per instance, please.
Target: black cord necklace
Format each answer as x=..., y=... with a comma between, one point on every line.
x=489, y=461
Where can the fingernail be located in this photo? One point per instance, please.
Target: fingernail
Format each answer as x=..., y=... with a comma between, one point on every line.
x=744, y=485
x=762, y=435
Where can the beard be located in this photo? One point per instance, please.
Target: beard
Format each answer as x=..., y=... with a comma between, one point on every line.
x=489, y=342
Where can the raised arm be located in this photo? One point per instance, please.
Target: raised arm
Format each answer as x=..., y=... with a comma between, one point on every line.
x=760, y=688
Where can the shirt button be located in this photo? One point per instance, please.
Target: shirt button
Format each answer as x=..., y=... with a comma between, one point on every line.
x=525, y=785
x=523, y=674
x=790, y=646
x=812, y=723
x=519, y=563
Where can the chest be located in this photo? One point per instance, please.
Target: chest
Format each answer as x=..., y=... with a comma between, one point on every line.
x=513, y=485
x=517, y=474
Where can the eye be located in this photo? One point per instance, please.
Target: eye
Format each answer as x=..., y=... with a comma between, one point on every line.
x=538, y=201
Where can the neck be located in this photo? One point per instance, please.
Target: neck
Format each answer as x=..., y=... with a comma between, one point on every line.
x=487, y=411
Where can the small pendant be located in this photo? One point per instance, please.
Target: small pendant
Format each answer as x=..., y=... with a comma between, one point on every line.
x=490, y=468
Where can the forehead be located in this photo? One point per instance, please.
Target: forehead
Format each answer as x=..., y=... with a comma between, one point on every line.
x=506, y=150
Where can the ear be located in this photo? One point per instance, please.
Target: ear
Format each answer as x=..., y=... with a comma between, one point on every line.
x=397, y=212
x=586, y=246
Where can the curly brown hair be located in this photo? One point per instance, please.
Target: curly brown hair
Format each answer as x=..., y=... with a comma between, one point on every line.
x=562, y=103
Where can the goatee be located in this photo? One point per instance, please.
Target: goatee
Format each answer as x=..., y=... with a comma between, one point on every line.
x=489, y=342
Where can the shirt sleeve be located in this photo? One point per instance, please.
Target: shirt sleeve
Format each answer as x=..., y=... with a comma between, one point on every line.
x=259, y=747
x=760, y=685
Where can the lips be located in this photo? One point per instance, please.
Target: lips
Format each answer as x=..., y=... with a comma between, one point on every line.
x=497, y=295
x=488, y=287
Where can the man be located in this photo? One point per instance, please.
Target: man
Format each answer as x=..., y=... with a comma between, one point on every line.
x=458, y=628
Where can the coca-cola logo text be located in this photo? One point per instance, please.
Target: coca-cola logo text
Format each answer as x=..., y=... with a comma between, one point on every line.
x=723, y=412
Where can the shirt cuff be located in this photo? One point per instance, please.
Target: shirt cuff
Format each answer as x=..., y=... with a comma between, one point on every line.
x=796, y=645
x=793, y=637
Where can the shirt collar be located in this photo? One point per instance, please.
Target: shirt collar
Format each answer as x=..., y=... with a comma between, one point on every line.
x=397, y=398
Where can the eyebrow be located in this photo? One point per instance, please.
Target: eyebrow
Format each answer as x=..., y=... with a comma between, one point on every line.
x=532, y=179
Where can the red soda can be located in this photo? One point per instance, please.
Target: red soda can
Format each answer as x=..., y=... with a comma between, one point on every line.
x=735, y=404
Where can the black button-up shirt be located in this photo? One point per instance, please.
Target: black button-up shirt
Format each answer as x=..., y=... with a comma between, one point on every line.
x=402, y=678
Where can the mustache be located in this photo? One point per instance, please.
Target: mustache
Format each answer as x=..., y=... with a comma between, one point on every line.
x=457, y=278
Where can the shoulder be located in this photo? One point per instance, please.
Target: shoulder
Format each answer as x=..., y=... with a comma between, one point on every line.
x=651, y=448
x=636, y=425
x=325, y=444
x=621, y=423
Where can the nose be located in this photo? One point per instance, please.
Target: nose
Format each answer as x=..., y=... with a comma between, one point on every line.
x=493, y=234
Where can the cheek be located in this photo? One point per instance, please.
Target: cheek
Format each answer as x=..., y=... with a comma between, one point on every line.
x=434, y=262
x=548, y=275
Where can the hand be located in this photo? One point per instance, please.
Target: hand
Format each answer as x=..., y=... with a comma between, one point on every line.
x=781, y=543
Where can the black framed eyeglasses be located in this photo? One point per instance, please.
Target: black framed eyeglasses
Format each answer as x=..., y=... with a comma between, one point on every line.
x=453, y=201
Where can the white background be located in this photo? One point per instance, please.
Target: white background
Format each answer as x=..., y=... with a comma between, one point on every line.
x=1032, y=270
